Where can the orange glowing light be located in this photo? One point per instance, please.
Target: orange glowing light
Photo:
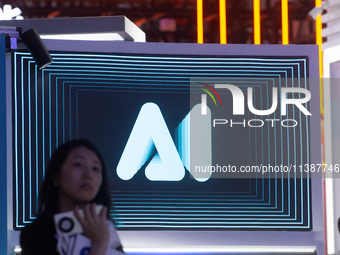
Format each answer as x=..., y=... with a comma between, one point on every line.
x=257, y=21
x=223, y=21
x=199, y=21
x=318, y=26
x=284, y=17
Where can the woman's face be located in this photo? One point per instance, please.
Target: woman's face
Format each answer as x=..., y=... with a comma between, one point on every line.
x=80, y=177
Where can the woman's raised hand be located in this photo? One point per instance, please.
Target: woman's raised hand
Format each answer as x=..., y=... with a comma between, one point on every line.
x=94, y=227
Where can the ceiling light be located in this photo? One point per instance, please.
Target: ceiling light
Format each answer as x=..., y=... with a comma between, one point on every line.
x=87, y=37
x=114, y=28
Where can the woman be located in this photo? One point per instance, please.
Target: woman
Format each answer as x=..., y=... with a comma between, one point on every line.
x=75, y=179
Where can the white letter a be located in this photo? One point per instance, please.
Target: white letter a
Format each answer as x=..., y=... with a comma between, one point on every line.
x=150, y=129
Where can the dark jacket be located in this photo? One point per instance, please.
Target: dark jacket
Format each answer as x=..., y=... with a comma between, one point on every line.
x=38, y=238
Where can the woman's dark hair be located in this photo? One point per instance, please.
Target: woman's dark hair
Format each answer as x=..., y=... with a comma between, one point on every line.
x=48, y=197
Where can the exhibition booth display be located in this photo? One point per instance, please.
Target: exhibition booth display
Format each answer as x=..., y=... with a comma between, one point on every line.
x=209, y=148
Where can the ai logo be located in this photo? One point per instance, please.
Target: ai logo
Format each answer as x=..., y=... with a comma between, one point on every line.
x=150, y=130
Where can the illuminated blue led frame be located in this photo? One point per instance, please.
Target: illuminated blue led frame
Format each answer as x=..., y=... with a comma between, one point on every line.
x=249, y=82
x=49, y=144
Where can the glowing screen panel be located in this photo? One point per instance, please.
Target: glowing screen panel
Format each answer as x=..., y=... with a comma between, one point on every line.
x=136, y=109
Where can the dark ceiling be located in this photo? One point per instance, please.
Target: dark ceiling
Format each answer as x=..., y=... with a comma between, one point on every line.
x=175, y=20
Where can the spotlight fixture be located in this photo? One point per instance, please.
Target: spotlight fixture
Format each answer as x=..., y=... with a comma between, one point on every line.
x=317, y=10
x=37, y=48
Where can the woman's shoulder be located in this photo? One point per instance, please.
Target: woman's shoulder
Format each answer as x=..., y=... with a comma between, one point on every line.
x=42, y=221
x=38, y=237
x=41, y=228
